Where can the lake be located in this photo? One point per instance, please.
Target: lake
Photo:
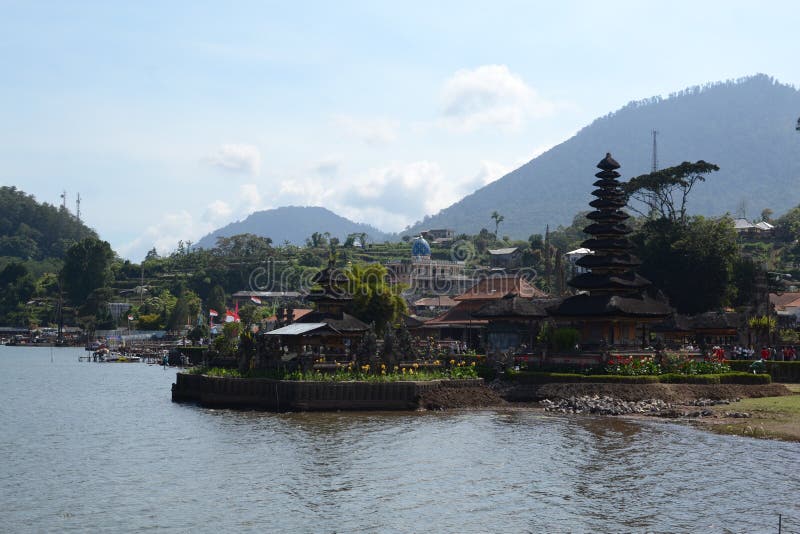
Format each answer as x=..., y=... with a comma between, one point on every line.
x=101, y=447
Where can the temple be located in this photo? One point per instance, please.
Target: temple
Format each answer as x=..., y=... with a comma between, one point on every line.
x=613, y=306
x=328, y=328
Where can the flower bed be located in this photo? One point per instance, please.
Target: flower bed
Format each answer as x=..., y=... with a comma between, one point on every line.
x=418, y=372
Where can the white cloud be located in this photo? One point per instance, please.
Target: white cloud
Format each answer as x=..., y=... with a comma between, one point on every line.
x=245, y=159
x=216, y=211
x=249, y=198
x=165, y=234
x=393, y=196
x=389, y=197
x=373, y=131
x=490, y=95
x=328, y=166
x=491, y=171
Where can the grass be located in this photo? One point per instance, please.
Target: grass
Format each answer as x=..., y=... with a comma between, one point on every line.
x=771, y=417
x=788, y=405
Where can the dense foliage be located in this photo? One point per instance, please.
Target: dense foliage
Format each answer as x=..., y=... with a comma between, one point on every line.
x=32, y=230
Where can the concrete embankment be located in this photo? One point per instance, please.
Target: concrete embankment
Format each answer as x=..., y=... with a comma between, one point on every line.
x=285, y=395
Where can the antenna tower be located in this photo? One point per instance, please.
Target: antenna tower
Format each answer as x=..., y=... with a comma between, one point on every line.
x=78, y=207
x=655, y=151
x=64, y=199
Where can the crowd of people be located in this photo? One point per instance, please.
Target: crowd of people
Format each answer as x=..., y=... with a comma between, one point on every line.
x=786, y=353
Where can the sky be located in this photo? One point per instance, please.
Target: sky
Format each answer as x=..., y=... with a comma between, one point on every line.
x=171, y=119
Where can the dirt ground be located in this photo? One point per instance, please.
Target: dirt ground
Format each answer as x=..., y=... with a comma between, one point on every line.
x=672, y=393
x=760, y=424
x=446, y=398
x=500, y=394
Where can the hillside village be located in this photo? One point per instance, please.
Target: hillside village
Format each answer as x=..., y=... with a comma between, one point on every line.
x=646, y=264
x=485, y=292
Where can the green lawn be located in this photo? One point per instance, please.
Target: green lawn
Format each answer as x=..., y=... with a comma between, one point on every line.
x=789, y=404
x=772, y=417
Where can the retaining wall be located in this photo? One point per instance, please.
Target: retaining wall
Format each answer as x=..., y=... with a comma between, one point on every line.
x=286, y=395
x=778, y=370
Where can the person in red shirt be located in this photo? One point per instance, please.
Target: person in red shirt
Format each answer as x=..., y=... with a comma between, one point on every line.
x=764, y=353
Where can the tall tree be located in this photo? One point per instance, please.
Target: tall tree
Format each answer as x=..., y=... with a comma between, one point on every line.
x=216, y=299
x=374, y=299
x=87, y=266
x=497, y=220
x=665, y=192
x=693, y=263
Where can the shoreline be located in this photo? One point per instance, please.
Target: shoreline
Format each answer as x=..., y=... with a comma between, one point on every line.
x=756, y=412
x=769, y=411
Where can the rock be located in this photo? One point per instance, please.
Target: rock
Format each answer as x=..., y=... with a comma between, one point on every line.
x=604, y=405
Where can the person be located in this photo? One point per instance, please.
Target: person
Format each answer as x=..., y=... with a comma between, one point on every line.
x=764, y=353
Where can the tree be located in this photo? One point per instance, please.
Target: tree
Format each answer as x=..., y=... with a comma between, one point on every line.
x=251, y=314
x=374, y=299
x=216, y=299
x=787, y=227
x=87, y=266
x=666, y=191
x=692, y=263
x=16, y=287
x=317, y=240
x=497, y=220
x=186, y=309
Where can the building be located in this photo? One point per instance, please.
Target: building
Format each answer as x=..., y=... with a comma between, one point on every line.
x=505, y=258
x=613, y=307
x=572, y=258
x=433, y=305
x=787, y=308
x=425, y=276
x=725, y=329
x=513, y=322
x=265, y=297
x=461, y=322
x=761, y=229
x=328, y=329
x=440, y=236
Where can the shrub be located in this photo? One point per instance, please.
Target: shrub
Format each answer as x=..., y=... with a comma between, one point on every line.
x=565, y=339
x=678, y=378
x=539, y=377
x=745, y=378
x=529, y=377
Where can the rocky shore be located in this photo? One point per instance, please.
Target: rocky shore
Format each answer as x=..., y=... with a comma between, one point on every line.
x=707, y=406
x=603, y=405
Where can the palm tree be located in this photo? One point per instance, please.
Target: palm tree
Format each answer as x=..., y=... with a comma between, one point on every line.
x=497, y=220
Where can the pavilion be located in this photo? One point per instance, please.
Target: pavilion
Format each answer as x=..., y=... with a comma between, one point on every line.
x=613, y=307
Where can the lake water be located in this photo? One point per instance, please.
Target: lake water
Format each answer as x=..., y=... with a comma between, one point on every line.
x=100, y=447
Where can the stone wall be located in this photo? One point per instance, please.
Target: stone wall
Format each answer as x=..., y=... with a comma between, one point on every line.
x=285, y=395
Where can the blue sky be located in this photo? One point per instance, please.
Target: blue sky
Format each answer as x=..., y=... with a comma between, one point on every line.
x=174, y=118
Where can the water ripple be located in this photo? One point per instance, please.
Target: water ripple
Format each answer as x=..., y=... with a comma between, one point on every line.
x=93, y=447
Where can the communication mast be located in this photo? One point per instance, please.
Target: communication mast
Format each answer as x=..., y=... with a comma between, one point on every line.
x=64, y=199
x=655, y=151
x=78, y=207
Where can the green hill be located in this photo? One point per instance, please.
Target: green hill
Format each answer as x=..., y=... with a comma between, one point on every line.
x=746, y=126
x=293, y=224
x=31, y=230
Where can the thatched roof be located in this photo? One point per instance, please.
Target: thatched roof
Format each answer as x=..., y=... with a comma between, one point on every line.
x=516, y=307
x=609, y=306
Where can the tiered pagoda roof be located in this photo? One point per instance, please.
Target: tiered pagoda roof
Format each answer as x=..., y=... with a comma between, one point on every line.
x=330, y=284
x=612, y=265
x=611, y=286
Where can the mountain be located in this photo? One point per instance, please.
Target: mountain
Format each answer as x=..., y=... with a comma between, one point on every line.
x=746, y=127
x=294, y=224
x=35, y=231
